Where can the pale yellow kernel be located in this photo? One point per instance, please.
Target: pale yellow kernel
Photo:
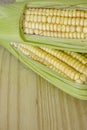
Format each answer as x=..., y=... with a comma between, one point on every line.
x=33, y=25
x=33, y=11
x=77, y=21
x=62, y=12
x=85, y=22
x=39, y=18
x=76, y=64
x=51, y=12
x=47, y=12
x=45, y=33
x=59, y=27
x=37, y=25
x=63, y=35
x=35, y=18
x=85, y=29
x=66, y=70
x=78, y=13
x=79, y=81
x=57, y=20
x=82, y=35
x=59, y=34
x=78, y=35
x=36, y=11
x=72, y=29
x=27, y=17
x=29, y=24
x=47, y=26
x=44, y=26
x=61, y=20
x=55, y=12
x=82, y=21
x=74, y=13
x=55, y=34
x=71, y=74
x=40, y=11
x=67, y=28
x=31, y=18
x=77, y=76
x=40, y=26
x=51, y=27
x=51, y=34
x=31, y=31
x=84, y=69
x=49, y=19
x=70, y=35
x=70, y=13
x=79, y=29
x=43, y=9
x=73, y=21
x=83, y=77
x=66, y=13
x=63, y=29
x=69, y=21
x=43, y=12
x=58, y=12
x=75, y=35
x=36, y=31
x=82, y=13
x=65, y=21
x=48, y=33
x=54, y=19
x=67, y=35
x=25, y=24
x=43, y=18
x=26, y=30
x=55, y=27
x=73, y=62
x=41, y=32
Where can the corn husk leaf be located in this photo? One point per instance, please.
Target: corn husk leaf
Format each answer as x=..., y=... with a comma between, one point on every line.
x=10, y=25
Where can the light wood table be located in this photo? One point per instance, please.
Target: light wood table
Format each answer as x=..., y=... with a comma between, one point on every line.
x=28, y=102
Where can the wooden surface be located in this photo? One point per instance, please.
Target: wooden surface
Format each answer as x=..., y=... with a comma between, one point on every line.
x=28, y=102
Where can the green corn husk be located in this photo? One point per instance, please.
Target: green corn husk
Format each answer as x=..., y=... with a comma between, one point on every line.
x=10, y=25
x=10, y=32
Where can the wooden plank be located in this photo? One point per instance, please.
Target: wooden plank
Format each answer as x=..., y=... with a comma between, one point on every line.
x=18, y=95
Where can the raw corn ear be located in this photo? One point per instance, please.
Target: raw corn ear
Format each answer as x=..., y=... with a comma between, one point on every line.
x=54, y=61
x=62, y=27
x=47, y=70
x=57, y=24
x=53, y=22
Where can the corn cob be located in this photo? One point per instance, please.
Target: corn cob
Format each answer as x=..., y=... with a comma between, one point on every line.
x=53, y=22
x=52, y=62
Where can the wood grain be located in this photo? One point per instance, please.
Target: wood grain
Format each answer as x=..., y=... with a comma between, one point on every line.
x=28, y=102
